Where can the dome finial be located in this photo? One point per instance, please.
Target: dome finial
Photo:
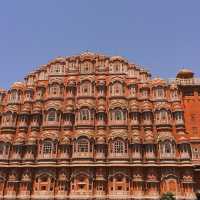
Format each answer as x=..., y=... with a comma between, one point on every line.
x=185, y=73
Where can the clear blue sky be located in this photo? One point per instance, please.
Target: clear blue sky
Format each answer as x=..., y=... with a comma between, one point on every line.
x=163, y=36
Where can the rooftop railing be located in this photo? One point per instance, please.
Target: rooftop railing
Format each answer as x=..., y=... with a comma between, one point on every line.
x=178, y=81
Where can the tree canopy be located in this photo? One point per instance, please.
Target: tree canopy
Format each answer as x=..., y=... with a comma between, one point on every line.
x=168, y=196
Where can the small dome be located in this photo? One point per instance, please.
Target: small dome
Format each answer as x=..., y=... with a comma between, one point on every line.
x=17, y=85
x=185, y=73
x=120, y=58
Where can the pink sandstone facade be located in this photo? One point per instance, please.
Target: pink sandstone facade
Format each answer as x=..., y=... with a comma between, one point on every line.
x=97, y=127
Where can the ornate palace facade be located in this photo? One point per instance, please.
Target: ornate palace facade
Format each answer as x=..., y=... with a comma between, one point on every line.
x=97, y=127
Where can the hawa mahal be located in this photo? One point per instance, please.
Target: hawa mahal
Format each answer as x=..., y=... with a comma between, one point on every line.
x=95, y=127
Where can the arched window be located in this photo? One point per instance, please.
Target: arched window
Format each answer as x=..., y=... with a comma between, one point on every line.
x=132, y=89
x=8, y=118
x=174, y=94
x=178, y=116
x=83, y=145
x=86, y=88
x=47, y=147
x=163, y=115
x=147, y=116
x=55, y=89
x=167, y=147
x=117, y=67
x=14, y=96
x=84, y=114
x=86, y=67
x=144, y=93
x=52, y=115
x=40, y=93
x=101, y=90
x=159, y=92
x=29, y=95
x=117, y=88
x=44, y=183
x=118, y=146
x=101, y=116
x=134, y=117
x=56, y=69
x=118, y=115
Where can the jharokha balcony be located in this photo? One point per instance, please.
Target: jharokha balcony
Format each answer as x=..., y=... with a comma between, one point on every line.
x=84, y=123
x=121, y=157
x=10, y=126
x=51, y=125
x=82, y=155
x=118, y=123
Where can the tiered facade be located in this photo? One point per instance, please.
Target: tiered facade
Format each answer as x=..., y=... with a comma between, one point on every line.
x=97, y=127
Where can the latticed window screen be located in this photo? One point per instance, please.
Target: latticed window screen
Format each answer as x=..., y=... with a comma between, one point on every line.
x=83, y=146
x=47, y=148
x=85, y=114
x=168, y=148
x=118, y=115
x=118, y=146
x=52, y=115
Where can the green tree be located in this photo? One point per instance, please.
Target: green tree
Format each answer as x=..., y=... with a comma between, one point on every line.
x=168, y=196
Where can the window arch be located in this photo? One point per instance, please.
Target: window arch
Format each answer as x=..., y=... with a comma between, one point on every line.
x=116, y=89
x=40, y=92
x=167, y=147
x=57, y=69
x=118, y=114
x=52, y=115
x=174, y=94
x=117, y=67
x=132, y=90
x=178, y=116
x=83, y=145
x=14, y=96
x=44, y=182
x=85, y=114
x=147, y=116
x=163, y=115
x=8, y=118
x=55, y=89
x=28, y=95
x=86, y=67
x=159, y=92
x=144, y=92
x=86, y=88
x=47, y=147
x=118, y=146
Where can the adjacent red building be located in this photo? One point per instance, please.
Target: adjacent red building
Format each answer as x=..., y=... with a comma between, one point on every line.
x=97, y=127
